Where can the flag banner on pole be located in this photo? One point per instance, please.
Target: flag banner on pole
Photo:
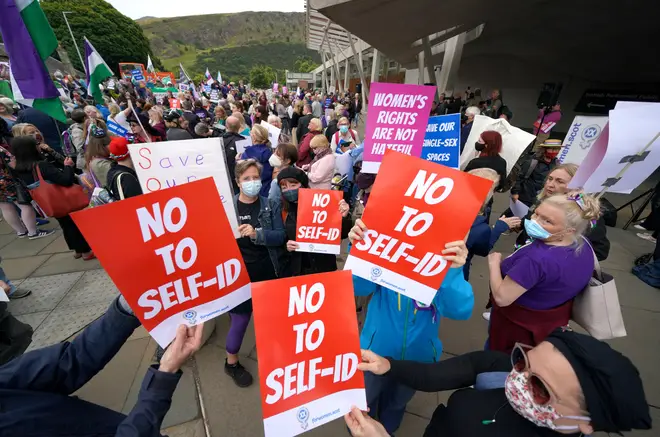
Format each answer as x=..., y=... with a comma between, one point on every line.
x=208, y=75
x=150, y=65
x=29, y=40
x=219, y=77
x=97, y=71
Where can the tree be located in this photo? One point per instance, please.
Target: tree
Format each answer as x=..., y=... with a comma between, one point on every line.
x=116, y=37
x=261, y=76
x=305, y=64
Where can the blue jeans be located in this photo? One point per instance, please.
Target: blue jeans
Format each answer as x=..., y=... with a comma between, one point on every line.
x=3, y=277
x=387, y=400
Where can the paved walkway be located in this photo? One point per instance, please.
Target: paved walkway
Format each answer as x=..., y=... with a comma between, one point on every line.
x=68, y=294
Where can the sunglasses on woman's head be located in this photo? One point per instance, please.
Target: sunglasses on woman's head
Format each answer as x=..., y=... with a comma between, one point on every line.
x=538, y=388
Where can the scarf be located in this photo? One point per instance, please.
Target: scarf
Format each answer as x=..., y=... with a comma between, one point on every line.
x=321, y=154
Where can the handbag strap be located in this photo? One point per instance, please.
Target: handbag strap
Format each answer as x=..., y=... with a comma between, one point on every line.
x=119, y=187
x=37, y=176
x=599, y=271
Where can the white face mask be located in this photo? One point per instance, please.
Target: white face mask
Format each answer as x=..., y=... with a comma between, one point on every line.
x=519, y=396
x=275, y=161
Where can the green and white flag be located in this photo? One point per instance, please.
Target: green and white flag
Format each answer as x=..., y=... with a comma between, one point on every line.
x=97, y=71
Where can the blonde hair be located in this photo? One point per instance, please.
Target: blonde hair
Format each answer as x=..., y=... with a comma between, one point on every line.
x=319, y=141
x=20, y=129
x=317, y=123
x=93, y=108
x=241, y=119
x=580, y=214
x=8, y=104
x=491, y=175
x=114, y=109
x=342, y=120
x=260, y=134
x=571, y=169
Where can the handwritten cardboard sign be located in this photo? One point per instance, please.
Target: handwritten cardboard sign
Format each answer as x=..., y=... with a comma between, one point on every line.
x=413, y=211
x=163, y=259
x=307, y=338
x=319, y=221
x=396, y=120
x=168, y=164
x=442, y=140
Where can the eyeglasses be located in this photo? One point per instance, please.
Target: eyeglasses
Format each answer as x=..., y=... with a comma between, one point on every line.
x=540, y=391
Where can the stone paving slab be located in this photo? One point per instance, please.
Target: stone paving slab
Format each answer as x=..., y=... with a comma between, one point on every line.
x=65, y=263
x=94, y=286
x=6, y=239
x=21, y=268
x=189, y=429
x=65, y=322
x=57, y=246
x=47, y=292
x=34, y=319
x=5, y=229
x=24, y=247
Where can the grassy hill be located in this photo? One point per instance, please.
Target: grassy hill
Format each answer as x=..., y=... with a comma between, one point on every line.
x=231, y=43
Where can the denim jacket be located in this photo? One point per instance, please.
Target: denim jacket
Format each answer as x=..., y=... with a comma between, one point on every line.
x=270, y=232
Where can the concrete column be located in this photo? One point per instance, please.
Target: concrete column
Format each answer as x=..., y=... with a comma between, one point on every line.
x=314, y=80
x=323, y=74
x=375, y=64
x=421, y=68
x=332, y=74
x=447, y=76
x=386, y=68
x=347, y=69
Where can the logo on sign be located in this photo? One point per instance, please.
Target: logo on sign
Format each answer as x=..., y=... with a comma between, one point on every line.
x=303, y=417
x=190, y=316
x=311, y=247
x=376, y=273
x=591, y=132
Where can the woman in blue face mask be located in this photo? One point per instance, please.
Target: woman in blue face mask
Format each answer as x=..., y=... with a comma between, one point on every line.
x=262, y=246
x=532, y=291
x=345, y=138
x=291, y=180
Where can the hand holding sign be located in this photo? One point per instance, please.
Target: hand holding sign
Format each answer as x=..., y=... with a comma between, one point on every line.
x=418, y=209
x=188, y=340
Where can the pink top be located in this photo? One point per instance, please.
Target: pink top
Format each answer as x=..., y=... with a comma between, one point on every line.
x=321, y=172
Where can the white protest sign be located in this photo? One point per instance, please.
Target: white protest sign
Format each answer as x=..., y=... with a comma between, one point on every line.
x=632, y=152
x=167, y=164
x=243, y=144
x=518, y=208
x=273, y=133
x=582, y=134
x=514, y=140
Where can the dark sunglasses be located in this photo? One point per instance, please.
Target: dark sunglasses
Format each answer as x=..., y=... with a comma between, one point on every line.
x=540, y=391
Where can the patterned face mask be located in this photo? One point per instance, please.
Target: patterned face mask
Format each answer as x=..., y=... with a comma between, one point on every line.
x=519, y=394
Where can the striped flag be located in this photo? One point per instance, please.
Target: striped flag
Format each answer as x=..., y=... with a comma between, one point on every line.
x=208, y=75
x=150, y=66
x=219, y=77
x=97, y=71
x=29, y=41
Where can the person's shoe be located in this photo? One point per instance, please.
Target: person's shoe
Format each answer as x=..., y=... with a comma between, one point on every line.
x=647, y=237
x=486, y=316
x=640, y=227
x=21, y=234
x=239, y=374
x=41, y=234
x=88, y=256
x=41, y=222
x=20, y=293
x=77, y=255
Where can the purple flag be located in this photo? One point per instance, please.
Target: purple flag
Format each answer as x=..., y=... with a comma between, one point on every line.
x=27, y=67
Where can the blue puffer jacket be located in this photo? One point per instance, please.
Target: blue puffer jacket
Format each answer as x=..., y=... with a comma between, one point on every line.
x=396, y=328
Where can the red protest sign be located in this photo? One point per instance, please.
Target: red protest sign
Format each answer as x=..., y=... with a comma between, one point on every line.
x=412, y=213
x=158, y=251
x=309, y=349
x=319, y=221
x=175, y=104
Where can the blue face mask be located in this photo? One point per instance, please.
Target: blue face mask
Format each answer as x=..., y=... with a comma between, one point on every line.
x=291, y=195
x=251, y=188
x=343, y=129
x=536, y=231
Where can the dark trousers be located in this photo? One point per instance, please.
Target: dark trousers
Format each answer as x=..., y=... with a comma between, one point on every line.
x=652, y=222
x=74, y=239
x=387, y=400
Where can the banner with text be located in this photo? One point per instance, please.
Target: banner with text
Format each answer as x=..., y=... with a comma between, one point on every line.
x=396, y=120
x=171, y=163
x=319, y=221
x=116, y=129
x=309, y=349
x=442, y=140
x=582, y=134
x=164, y=261
x=413, y=211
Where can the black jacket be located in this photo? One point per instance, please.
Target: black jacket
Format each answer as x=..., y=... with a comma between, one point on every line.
x=331, y=129
x=229, y=139
x=65, y=177
x=130, y=185
x=467, y=407
x=303, y=123
x=50, y=128
x=496, y=163
x=528, y=188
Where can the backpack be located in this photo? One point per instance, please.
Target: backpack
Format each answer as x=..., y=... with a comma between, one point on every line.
x=67, y=147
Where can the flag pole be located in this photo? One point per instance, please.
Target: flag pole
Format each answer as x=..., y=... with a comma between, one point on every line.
x=74, y=40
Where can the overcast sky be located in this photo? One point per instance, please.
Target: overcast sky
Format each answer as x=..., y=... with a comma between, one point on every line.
x=177, y=8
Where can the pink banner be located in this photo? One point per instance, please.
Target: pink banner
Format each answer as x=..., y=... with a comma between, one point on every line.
x=592, y=160
x=275, y=86
x=397, y=116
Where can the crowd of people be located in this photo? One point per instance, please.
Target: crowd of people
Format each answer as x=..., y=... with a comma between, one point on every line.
x=535, y=377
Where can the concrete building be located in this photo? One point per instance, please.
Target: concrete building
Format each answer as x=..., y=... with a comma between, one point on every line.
x=515, y=46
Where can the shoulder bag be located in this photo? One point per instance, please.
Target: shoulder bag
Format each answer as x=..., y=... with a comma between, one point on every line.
x=597, y=307
x=56, y=200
